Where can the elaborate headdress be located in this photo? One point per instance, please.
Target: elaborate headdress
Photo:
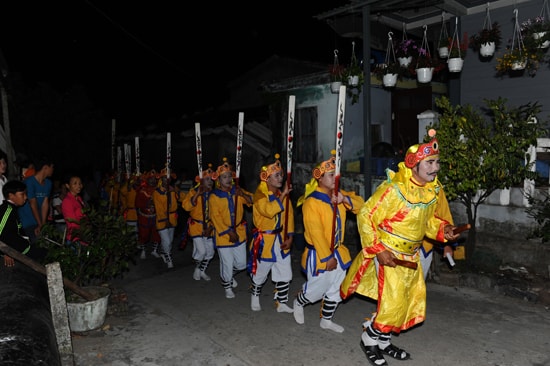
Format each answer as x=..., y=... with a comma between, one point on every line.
x=225, y=167
x=318, y=171
x=325, y=166
x=417, y=153
x=205, y=173
x=267, y=170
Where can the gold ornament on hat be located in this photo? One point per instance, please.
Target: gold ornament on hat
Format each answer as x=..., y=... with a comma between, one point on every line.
x=267, y=170
x=326, y=166
x=205, y=173
x=225, y=167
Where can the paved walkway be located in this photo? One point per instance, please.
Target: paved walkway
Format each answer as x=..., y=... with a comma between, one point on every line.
x=174, y=320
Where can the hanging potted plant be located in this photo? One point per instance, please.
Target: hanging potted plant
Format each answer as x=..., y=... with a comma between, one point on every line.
x=457, y=53
x=425, y=65
x=337, y=73
x=536, y=32
x=405, y=51
x=354, y=72
x=390, y=70
x=517, y=56
x=443, y=44
x=488, y=39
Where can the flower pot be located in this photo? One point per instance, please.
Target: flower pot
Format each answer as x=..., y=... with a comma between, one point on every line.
x=487, y=49
x=335, y=87
x=405, y=61
x=424, y=74
x=518, y=65
x=389, y=80
x=455, y=64
x=538, y=35
x=443, y=52
x=88, y=315
x=353, y=80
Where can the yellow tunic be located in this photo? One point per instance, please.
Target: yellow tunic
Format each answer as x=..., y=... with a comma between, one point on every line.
x=396, y=218
x=270, y=215
x=225, y=216
x=442, y=211
x=127, y=197
x=198, y=213
x=166, y=208
x=318, y=214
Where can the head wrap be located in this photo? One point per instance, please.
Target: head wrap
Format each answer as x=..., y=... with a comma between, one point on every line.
x=325, y=166
x=417, y=153
x=225, y=167
x=321, y=168
x=267, y=170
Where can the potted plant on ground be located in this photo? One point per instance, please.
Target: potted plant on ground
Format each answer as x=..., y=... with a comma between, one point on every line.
x=487, y=40
x=110, y=247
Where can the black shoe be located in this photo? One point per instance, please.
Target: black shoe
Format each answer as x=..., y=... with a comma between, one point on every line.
x=373, y=355
x=396, y=352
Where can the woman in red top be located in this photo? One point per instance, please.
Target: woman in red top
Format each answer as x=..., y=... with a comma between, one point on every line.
x=72, y=206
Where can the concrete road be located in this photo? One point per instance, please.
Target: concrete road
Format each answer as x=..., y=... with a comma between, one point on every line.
x=175, y=320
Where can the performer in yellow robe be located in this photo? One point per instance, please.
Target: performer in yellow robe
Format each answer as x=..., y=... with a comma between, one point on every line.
x=325, y=258
x=392, y=225
x=273, y=234
x=227, y=203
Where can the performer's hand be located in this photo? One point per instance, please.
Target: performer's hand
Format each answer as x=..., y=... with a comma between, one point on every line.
x=449, y=235
x=332, y=263
x=287, y=244
x=8, y=261
x=385, y=258
x=208, y=231
x=233, y=237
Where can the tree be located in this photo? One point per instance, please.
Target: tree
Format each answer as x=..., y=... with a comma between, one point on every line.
x=484, y=150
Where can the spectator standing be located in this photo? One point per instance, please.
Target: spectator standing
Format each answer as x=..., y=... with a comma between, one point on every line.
x=59, y=193
x=199, y=225
x=72, y=207
x=3, y=168
x=227, y=204
x=271, y=241
x=325, y=258
x=34, y=213
x=15, y=193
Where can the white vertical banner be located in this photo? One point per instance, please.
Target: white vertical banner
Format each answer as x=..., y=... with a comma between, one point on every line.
x=113, y=136
x=198, y=144
x=127, y=157
x=138, y=172
x=240, y=131
x=168, y=153
x=290, y=136
x=340, y=130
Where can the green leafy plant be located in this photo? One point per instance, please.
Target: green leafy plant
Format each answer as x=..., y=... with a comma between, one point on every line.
x=110, y=250
x=511, y=60
x=392, y=68
x=484, y=150
x=539, y=210
x=486, y=36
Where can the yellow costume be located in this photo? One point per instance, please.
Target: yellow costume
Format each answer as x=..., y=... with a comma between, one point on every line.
x=198, y=213
x=226, y=215
x=396, y=218
x=166, y=208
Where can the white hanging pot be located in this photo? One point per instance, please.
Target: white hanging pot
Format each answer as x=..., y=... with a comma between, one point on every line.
x=424, y=74
x=389, y=80
x=487, y=49
x=519, y=65
x=455, y=64
x=353, y=80
x=539, y=35
x=335, y=86
x=405, y=61
x=443, y=52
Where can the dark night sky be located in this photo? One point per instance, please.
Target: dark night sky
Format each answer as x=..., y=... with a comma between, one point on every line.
x=145, y=62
